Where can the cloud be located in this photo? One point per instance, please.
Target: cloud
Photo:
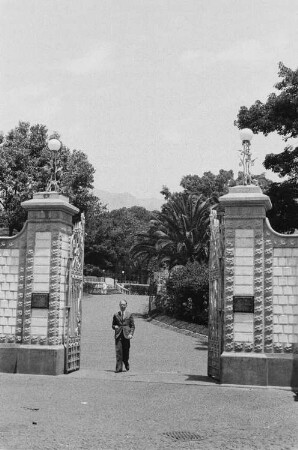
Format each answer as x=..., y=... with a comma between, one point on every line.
x=26, y=92
x=32, y=102
x=249, y=51
x=50, y=108
x=98, y=59
x=172, y=136
x=197, y=60
x=276, y=46
x=104, y=91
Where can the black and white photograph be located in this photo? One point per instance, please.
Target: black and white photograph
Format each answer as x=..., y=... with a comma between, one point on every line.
x=149, y=224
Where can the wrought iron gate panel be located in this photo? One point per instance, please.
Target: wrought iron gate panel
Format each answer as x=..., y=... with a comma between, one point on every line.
x=74, y=301
x=215, y=296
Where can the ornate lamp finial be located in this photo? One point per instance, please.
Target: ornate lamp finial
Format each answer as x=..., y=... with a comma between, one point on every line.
x=246, y=136
x=54, y=145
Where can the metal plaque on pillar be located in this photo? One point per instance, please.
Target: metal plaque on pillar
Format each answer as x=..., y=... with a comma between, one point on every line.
x=40, y=300
x=243, y=303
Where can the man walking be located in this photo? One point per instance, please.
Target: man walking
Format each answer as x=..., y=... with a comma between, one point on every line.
x=123, y=324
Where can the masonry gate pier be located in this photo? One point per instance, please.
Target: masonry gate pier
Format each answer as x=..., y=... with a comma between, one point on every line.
x=41, y=278
x=253, y=332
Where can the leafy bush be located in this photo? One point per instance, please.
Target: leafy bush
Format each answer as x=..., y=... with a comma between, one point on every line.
x=187, y=293
x=90, y=270
x=88, y=287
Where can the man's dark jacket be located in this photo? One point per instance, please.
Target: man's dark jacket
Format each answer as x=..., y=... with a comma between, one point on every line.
x=127, y=325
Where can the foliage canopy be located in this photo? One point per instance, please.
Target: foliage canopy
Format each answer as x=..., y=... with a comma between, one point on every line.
x=111, y=237
x=26, y=168
x=177, y=234
x=279, y=114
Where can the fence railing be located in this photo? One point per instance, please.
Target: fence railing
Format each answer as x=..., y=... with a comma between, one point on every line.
x=95, y=285
x=121, y=288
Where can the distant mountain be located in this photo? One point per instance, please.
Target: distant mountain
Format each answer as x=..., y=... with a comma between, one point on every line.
x=126, y=200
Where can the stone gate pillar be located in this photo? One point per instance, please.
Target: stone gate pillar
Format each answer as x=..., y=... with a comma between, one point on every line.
x=243, y=360
x=34, y=288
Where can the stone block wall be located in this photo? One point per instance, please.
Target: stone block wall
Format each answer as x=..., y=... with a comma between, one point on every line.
x=284, y=288
x=9, y=286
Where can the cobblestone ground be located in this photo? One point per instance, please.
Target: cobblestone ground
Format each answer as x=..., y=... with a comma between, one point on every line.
x=165, y=401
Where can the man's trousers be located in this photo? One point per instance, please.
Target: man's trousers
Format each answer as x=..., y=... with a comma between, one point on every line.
x=122, y=352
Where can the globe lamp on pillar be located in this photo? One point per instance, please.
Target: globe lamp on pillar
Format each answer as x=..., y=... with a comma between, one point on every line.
x=54, y=145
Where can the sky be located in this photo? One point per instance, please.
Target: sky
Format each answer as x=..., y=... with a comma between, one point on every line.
x=148, y=89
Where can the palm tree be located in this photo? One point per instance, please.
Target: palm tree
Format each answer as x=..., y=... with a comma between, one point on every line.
x=178, y=234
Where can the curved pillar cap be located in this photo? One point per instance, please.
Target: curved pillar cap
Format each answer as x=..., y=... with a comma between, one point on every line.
x=248, y=195
x=49, y=201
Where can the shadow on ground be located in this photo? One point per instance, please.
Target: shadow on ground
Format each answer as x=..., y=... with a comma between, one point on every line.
x=141, y=316
x=203, y=378
x=202, y=346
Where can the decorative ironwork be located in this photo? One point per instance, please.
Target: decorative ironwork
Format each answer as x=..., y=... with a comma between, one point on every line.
x=229, y=284
x=53, y=184
x=215, y=297
x=55, y=289
x=73, y=354
x=268, y=293
x=74, y=303
x=258, y=286
x=246, y=162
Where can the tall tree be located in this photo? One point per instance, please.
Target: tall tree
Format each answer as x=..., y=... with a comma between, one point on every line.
x=209, y=185
x=125, y=224
x=179, y=233
x=17, y=181
x=111, y=238
x=283, y=216
x=25, y=169
x=279, y=114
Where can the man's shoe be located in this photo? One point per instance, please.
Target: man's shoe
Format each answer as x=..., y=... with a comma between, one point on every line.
x=127, y=367
x=118, y=371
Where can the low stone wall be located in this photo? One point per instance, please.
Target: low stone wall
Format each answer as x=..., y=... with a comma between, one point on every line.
x=284, y=287
x=9, y=287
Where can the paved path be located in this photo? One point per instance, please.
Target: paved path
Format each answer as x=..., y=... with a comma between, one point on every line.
x=157, y=354
x=164, y=402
